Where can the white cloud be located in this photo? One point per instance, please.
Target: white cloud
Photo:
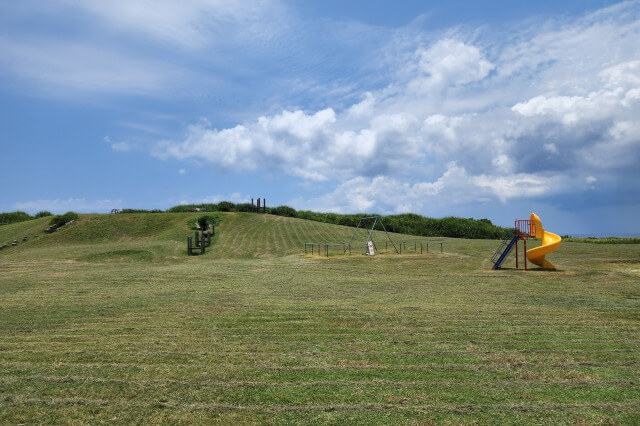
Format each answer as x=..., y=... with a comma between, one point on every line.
x=145, y=47
x=534, y=128
x=449, y=62
x=121, y=147
x=189, y=23
x=454, y=187
x=59, y=66
x=286, y=141
x=543, y=110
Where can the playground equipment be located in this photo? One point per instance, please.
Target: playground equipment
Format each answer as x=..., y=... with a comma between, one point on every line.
x=256, y=207
x=404, y=244
x=363, y=225
x=323, y=248
x=528, y=228
x=366, y=226
x=200, y=244
x=549, y=243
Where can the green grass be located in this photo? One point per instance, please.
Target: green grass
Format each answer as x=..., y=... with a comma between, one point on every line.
x=109, y=321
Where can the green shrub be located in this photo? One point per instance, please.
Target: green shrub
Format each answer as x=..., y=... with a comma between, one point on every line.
x=284, y=211
x=43, y=213
x=410, y=223
x=226, y=206
x=245, y=207
x=205, y=220
x=63, y=218
x=140, y=211
x=14, y=217
x=187, y=208
x=604, y=240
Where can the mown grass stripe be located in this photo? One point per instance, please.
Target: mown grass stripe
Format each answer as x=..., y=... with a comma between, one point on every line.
x=273, y=408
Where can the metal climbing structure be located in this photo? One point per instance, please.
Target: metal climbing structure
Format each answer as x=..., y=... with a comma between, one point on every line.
x=524, y=228
x=363, y=225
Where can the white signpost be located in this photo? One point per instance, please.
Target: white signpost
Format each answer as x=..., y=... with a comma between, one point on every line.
x=371, y=248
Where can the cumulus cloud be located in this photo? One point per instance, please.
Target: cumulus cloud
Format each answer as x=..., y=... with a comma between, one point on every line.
x=449, y=62
x=454, y=187
x=537, y=115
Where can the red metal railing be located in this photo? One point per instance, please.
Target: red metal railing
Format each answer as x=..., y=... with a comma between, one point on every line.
x=525, y=227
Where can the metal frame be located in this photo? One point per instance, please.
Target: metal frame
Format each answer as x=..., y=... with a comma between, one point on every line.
x=421, y=243
x=524, y=228
x=199, y=244
x=325, y=247
x=369, y=231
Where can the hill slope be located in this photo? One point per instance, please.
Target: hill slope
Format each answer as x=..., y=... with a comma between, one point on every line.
x=258, y=235
x=108, y=321
x=147, y=236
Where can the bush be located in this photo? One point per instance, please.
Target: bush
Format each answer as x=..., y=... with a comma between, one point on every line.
x=140, y=211
x=43, y=213
x=605, y=240
x=63, y=218
x=226, y=206
x=245, y=207
x=187, y=208
x=14, y=217
x=204, y=221
x=284, y=211
x=415, y=224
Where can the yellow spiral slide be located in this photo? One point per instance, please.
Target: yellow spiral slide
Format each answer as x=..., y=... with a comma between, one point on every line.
x=550, y=243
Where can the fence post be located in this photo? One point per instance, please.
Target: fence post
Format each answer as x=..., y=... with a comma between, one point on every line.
x=188, y=246
x=197, y=238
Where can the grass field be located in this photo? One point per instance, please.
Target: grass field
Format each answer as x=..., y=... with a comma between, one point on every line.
x=109, y=321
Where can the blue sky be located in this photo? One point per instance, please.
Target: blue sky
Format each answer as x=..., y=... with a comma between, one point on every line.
x=474, y=109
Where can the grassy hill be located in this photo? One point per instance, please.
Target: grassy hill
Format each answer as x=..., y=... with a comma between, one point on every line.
x=163, y=235
x=108, y=321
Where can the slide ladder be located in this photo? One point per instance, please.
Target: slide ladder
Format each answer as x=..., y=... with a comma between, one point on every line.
x=503, y=251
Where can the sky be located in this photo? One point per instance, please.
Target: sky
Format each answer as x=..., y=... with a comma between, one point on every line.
x=461, y=108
